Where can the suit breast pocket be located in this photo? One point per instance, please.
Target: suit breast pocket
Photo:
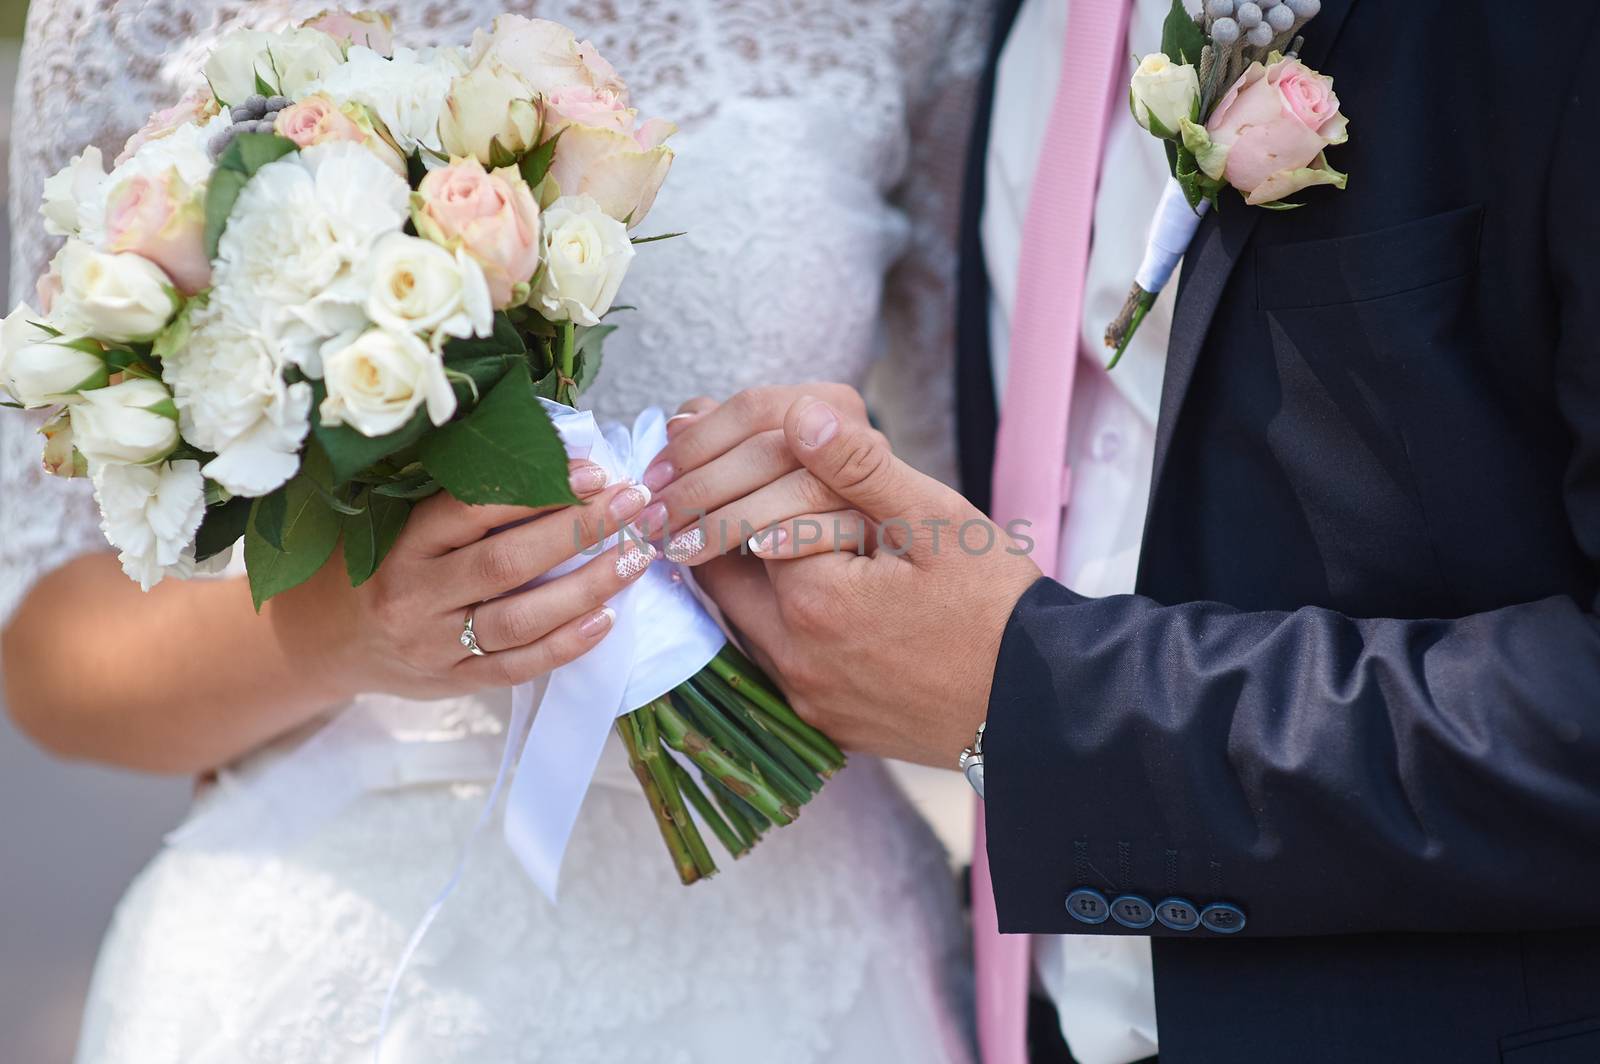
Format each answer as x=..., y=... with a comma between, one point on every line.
x=1569, y=1043
x=1368, y=332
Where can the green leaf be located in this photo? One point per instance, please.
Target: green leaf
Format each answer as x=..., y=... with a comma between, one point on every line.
x=506, y=451
x=1181, y=39
x=267, y=517
x=505, y=340
x=500, y=155
x=369, y=534
x=475, y=377
x=413, y=487
x=588, y=353
x=247, y=153
x=547, y=386
x=658, y=236
x=349, y=452
x=263, y=88
x=310, y=532
x=536, y=163
x=221, y=527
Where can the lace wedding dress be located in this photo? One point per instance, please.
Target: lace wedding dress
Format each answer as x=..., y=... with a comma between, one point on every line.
x=817, y=176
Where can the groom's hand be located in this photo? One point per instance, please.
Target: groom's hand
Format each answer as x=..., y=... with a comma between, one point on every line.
x=890, y=652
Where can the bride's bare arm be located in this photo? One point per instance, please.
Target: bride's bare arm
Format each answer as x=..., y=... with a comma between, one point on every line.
x=188, y=677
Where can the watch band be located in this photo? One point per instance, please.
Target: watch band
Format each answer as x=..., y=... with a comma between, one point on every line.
x=971, y=762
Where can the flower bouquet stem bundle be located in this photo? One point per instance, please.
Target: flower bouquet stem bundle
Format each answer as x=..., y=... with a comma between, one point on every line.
x=1234, y=106
x=347, y=275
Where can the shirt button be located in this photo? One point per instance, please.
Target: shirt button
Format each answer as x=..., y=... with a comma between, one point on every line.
x=1107, y=445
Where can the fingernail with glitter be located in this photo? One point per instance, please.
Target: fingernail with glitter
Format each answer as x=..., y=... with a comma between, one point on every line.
x=597, y=624
x=587, y=479
x=635, y=560
x=686, y=544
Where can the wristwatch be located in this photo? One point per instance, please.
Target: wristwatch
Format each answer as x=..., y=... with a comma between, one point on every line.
x=971, y=762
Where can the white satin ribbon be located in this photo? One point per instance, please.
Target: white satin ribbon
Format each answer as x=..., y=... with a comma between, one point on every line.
x=1171, y=230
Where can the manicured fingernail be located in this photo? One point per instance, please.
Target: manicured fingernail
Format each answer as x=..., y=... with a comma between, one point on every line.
x=769, y=541
x=587, y=479
x=652, y=522
x=686, y=544
x=635, y=560
x=659, y=475
x=596, y=624
x=817, y=425
x=678, y=421
x=628, y=502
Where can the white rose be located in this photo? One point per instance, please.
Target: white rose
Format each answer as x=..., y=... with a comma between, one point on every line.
x=406, y=93
x=292, y=261
x=39, y=368
x=61, y=458
x=417, y=286
x=131, y=423
x=1164, y=91
x=286, y=62
x=72, y=193
x=301, y=57
x=151, y=514
x=376, y=384
x=233, y=401
x=489, y=103
x=234, y=64
x=116, y=297
x=586, y=254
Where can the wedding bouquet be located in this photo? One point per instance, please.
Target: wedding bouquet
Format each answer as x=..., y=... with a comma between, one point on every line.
x=1236, y=108
x=347, y=275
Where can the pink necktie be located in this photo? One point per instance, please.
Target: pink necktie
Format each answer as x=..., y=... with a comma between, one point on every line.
x=1029, y=471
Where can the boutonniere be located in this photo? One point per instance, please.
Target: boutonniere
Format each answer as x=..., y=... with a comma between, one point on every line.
x=1236, y=108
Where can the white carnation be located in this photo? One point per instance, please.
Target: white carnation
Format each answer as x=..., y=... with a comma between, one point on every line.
x=233, y=400
x=151, y=514
x=292, y=259
x=407, y=93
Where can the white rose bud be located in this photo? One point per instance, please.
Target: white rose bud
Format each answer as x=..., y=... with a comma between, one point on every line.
x=586, y=254
x=131, y=423
x=38, y=368
x=233, y=65
x=61, y=458
x=286, y=62
x=376, y=384
x=488, y=104
x=418, y=286
x=71, y=193
x=1164, y=93
x=116, y=297
x=301, y=57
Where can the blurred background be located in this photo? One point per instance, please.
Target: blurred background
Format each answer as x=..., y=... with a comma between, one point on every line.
x=72, y=836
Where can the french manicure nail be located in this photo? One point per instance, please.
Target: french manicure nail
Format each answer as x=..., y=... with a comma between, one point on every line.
x=652, y=521
x=768, y=541
x=678, y=421
x=686, y=544
x=659, y=475
x=635, y=560
x=597, y=623
x=628, y=502
x=817, y=425
x=587, y=479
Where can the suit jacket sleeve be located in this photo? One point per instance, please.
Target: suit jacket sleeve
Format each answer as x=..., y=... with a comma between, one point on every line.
x=1327, y=774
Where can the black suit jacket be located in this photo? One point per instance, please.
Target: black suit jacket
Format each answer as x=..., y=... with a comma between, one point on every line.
x=1357, y=695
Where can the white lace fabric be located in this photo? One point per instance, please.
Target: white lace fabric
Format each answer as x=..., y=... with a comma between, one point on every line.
x=817, y=178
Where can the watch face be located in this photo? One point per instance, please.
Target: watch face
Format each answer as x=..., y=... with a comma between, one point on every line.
x=974, y=770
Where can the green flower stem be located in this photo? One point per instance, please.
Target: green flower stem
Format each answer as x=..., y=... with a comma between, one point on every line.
x=753, y=818
x=804, y=750
x=739, y=815
x=659, y=765
x=742, y=675
x=734, y=843
x=740, y=709
x=734, y=741
x=628, y=730
x=684, y=739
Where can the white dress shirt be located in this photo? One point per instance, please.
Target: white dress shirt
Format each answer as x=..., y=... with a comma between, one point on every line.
x=1103, y=986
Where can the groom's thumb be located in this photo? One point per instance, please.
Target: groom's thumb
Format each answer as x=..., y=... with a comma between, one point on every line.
x=855, y=461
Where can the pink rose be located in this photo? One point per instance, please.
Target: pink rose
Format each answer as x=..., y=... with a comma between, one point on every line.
x=317, y=119
x=584, y=106
x=491, y=216
x=161, y=219
x=1268, y=133
x=369, y=29
x=547, y=55
x=621, y=170
x=197, y=106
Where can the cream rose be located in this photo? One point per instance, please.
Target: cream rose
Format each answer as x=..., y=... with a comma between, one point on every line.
x=287, y=62
x=587, y=253
x=1267, y=135
x=546, y=54
x=369, y=29
x=489, y=105
x=378, y=382
x=490, y=215
x=1163, y=94
x=131, y=423
x=162, y=219
x=621, y=172
x=113, y=296
x=418, y=286
x=39, y=368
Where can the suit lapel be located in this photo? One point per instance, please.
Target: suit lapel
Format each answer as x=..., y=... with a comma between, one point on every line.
x=1220, y=241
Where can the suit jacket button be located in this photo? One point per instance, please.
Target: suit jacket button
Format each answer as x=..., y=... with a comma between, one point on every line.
x=1133, y=912
x=1088, y=906
x=1178, y=914
x=1222, y=918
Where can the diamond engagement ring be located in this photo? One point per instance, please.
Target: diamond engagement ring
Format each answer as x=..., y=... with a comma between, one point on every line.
x=469, y=638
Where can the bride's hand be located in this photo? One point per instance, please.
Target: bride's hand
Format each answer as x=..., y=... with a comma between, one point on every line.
x=401, y=630
x=727, y=472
